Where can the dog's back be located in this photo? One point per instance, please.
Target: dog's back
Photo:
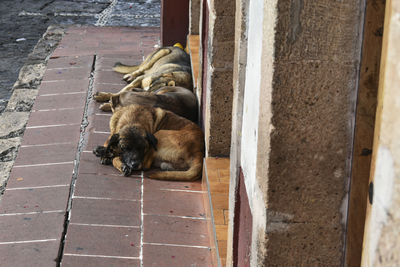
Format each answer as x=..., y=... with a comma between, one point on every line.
x=178, y=59
x=179, y=100
x=177, y=56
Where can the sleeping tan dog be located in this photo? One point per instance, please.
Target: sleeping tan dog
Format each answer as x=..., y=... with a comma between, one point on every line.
x=143, y=137
x=166, y=66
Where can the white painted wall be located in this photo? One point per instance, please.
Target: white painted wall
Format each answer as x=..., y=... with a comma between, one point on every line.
x=251, y=98
x=250, y=123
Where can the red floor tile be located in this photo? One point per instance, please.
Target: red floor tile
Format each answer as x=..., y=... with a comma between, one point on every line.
x=51, y=135
x=151, y=184
x=101, y=186
x=74, y=261
x=105, y=211
x=166, y=256
x=107, y=63
x=58, y=117
x=103, y=240
x=34, y=200
x=60, y=87
x=163, y=202
x=28, y=227
x=46, y=154
x=175, y=230
x=95, y=139
x=41, y=176
x=67, y=74
x=31, y=254
x=70, y=62
x=99, y=123
x=89, y=163
x=113, y=88
x=63, y=101
x=109, y=77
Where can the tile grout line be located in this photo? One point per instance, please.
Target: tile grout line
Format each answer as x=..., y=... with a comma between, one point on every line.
x=69, y=93
x=100, y=132
x=84, y=124
x=55, y=109
x=106, y=225
x=104, y=198
x=37, y=187
x=175, y=245
x=43, y=164
x=31, y=213
x=27, y=241
x=51, y=144
x=100, y=256
x=141, y=219
x=176, y=216
x=182, y=190
x=51, y=125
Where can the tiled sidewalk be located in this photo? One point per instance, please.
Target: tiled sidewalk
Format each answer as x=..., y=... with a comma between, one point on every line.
x=61, y=206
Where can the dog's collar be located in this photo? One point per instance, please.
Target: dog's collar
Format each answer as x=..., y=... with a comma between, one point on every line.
x=178, y=45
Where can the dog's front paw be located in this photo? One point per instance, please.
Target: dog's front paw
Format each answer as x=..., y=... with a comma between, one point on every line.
x=106, y=161
x=105, y=107
x=128, y=77
x=101, y=96
x=126, y=170
x=100, y=151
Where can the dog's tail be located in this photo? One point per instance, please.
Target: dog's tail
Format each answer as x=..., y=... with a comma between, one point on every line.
x=193, y=173
x=121, y=68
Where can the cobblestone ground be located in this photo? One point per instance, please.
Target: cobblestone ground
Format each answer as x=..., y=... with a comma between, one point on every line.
x=23, y=22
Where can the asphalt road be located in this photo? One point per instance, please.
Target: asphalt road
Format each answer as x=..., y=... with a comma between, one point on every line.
x=22, y=23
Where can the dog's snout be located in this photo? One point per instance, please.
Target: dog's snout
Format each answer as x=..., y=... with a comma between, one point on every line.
x=135, y=165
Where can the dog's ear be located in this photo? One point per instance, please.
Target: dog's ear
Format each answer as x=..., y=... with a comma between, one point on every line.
x=114, y=140
x=152, y=140
x=114, y=101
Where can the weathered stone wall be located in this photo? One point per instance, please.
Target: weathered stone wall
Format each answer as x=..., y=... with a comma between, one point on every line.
x=194, y=17
x=310, y=58
x=218, y=82
x=315, y=79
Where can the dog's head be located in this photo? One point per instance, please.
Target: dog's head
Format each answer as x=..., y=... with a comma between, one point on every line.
x=132, y=144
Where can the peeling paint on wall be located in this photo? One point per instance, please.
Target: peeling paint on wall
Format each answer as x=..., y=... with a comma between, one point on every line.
x=382, y=197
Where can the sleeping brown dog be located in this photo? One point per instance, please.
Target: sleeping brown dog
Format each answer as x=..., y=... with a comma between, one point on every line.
x=177, y=99
x=143, y=137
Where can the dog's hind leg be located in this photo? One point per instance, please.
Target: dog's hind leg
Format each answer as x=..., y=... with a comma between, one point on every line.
x=191, y=174
x=137, y=83
x=124, y=69
x=147, y=64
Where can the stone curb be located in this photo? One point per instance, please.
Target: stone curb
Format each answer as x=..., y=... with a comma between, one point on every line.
x=15, y=116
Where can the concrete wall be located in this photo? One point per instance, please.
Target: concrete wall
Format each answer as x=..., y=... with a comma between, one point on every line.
x=194, y=17
x=218, y=80
x=297, y=127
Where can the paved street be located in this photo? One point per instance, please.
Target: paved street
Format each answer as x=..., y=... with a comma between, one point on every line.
x=61, y=207
x=23, y=22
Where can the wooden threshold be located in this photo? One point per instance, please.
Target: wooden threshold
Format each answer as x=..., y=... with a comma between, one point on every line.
x=193, y=49
x=216, y=202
